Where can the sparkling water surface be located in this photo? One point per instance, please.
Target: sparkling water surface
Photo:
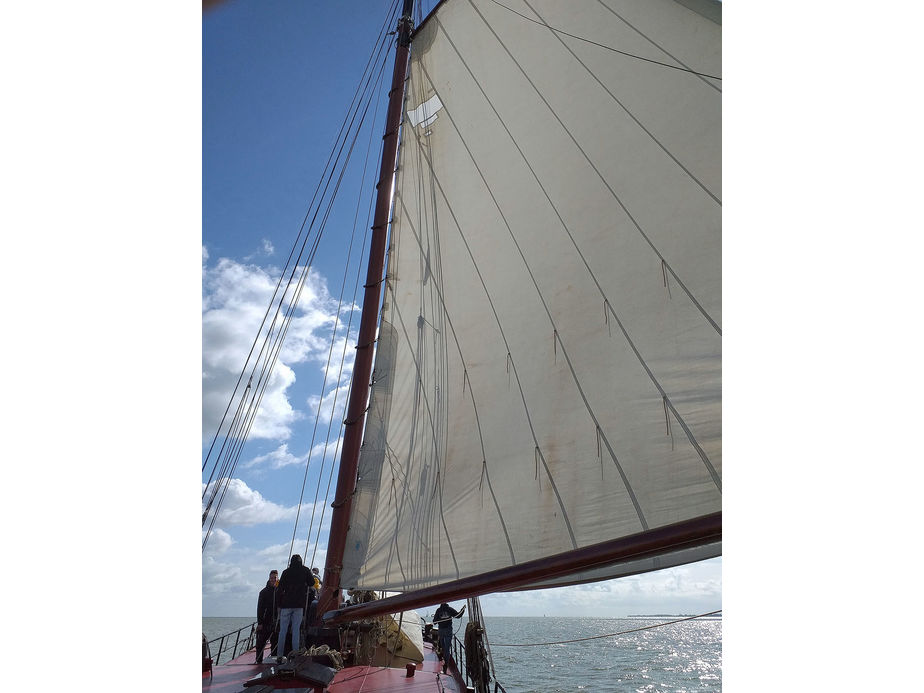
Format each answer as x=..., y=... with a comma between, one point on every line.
x=677, y=658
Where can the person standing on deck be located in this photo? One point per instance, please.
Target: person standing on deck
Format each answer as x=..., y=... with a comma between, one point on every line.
x=443, y=618
x=314, y=586
x=313, y=592
x=266, y=616
x=293, y=588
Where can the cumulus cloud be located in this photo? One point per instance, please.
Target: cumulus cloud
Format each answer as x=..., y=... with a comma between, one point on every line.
x=281, y=457
x=278, y=554
x=276, y=459
x=266, y=249
x=244, y=506
x=231, y=581
x=332, y=405
x=235, y=299
x=691, y=589
x=219, y=541
x=230, y=586
x=220, y=576
x=233, y=573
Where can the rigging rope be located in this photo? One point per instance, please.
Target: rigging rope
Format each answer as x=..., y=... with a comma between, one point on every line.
x=235, y=437
x=356, y=283
x=336, y=325
x=608, y=635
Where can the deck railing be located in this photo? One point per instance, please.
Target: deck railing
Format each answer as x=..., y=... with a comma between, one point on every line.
x=224, y=643
x=458, y=656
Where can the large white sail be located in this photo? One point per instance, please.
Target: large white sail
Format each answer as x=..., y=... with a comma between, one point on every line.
x=548, y=369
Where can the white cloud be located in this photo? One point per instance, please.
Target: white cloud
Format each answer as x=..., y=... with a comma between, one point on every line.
x=333, y=405
x=690, y=589
x=220, y=575
x=278, y=554
x=281, y=457
x=219, y=541
x=232, y=579
x=235, y=299
x=266, y=249
x=229, y=588
x=245, y=506
x=276, y=459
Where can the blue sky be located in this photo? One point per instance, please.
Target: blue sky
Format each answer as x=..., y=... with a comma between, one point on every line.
x=277, y=79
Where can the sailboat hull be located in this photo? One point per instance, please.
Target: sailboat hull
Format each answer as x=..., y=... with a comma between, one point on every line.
x=428, y=676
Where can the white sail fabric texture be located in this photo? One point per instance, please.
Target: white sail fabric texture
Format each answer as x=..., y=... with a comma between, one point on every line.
x=548, y=368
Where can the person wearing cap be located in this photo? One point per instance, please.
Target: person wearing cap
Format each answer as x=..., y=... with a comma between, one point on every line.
x=443, y=618
x=314, y=588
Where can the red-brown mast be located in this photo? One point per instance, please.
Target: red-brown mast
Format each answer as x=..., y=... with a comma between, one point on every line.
x=362, y=368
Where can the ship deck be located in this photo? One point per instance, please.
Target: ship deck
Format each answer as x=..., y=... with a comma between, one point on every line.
x=231, y=677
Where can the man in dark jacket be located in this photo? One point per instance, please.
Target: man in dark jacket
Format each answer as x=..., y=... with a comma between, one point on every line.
x=266, y=616
x=292, y=599
x=443, y=619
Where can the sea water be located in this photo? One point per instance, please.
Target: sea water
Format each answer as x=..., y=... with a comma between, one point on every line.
x=676, y=658
x=680, y=657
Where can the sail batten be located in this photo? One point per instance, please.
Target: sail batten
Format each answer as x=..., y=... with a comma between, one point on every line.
x=511, y=419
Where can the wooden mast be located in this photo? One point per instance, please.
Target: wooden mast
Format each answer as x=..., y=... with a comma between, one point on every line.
x=362, y=369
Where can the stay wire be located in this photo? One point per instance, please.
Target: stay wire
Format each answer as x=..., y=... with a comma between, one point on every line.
x=366, y=98
x=334, y=330
x=392, y=19
x=233, y=457
x=357, y=95
x=214, y=487
x=271, y=360
x=359, y=269
x=608, y=635
x=295, y=245
x=339, y=442
x=356, y=285
x=242, y=422
x=337, y=385
x=253, y=409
